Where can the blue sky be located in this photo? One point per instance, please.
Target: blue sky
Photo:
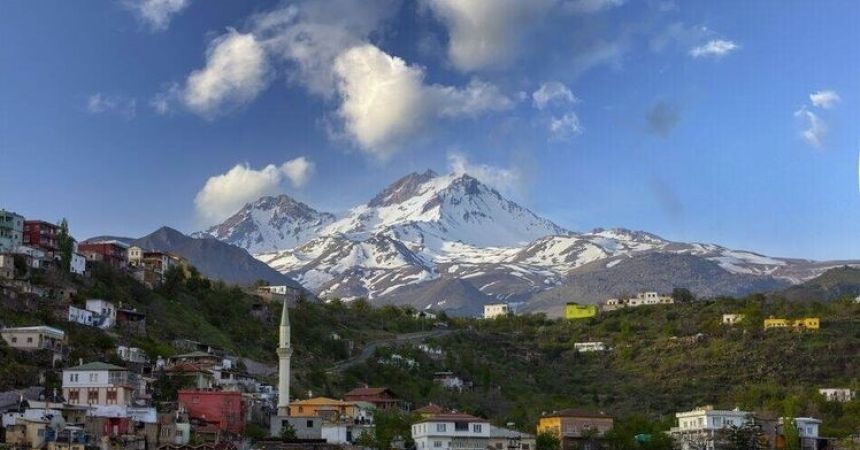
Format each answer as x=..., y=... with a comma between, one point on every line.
x=731, y=122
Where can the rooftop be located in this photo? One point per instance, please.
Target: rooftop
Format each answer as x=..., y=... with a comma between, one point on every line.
x=452, y=417
x=575, y=412
x=95, y=366
x=38, y=328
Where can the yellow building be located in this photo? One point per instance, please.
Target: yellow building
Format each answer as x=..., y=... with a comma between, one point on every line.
x=327, y=408
x=572, y=426
x=806, y=323
x=573, y=311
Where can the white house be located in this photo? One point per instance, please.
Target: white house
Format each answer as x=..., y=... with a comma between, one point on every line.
x=837, y=394
x=78, y=264
x=494, y=310
x=596, y=346
x=35, y=256
x=80, y=316
x=649, y=298
x=98, y=384
x=807, y=431
x=135, y=255
x=697, y=429
x=451, y=431
x=131, y=354
x=731, y=319
x=449, y=381
x=104, y=313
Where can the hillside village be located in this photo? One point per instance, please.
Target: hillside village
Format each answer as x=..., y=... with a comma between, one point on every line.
x=113, y=346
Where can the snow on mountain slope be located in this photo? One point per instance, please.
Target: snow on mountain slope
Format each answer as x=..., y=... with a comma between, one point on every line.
x=271, y=224
x=450, y=235
x=451, y=207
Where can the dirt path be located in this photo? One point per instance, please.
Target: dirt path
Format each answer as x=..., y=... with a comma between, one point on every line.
x=371, y=347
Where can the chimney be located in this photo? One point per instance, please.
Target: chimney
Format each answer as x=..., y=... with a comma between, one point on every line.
x=80, y=361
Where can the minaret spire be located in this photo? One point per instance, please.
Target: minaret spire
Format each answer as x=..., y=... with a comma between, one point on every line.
x=285, y=351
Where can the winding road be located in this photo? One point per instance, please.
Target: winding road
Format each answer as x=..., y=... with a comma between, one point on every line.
x=371, y=347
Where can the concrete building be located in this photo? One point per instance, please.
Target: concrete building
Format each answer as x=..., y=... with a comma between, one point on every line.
x=104, y=313
x=7, y=266
x=99, y=384
x=575, y=311
x=36, y=338
x=703, y=428
x=806, y=323
x=576, y=428
x=11, y=231
x=380, y=397
x=649, y=299
x=132, y=354
x=451, y=431
x=837, y=394
x=807, y=432
x=80, y=316
x=732, y=319
x=494, y=310
x=42, y=235
x=135, y=255
x=506, y=439
x=595, y=346
x=223, y=409
x=111, y=251
x=78, y=262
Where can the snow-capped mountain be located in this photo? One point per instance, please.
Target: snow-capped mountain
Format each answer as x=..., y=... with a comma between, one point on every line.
x=271, y=224
x=452, y=242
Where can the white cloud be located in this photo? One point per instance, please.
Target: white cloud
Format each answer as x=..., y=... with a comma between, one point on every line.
x=163, y=102
x=815, y=129
x=100, y=103
x=716, y=48
x=506, y=181
x=235, y=73
x=487, y=33
x=824, y=99
x=311, y=35
x=298, y=170
x=565, y=127
x=590, y=6
x=224, y=194
x=552, y=92
x=385, y=101
x=157, y=13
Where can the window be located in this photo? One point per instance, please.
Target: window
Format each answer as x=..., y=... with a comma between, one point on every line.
x=74, y=396
x=14, y=339
x=29, y=340
x=440, y=427
x=310, y=423
x=92, y=396
x=718, y=422
x=94, y=377
x=476, y=428
x=111, y=397
x=525, y=446
x=437, y=444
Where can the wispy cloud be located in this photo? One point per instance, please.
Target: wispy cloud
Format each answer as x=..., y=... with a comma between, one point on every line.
x=590, y=6
x=156, y=13
x=508, y=181
x=716, y=48
x=100, y=103
x=814, y=130
x=565, y=127
x=825, y=99
x=552, y=92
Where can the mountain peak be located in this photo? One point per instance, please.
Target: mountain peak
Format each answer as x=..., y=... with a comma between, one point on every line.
x=402, y=189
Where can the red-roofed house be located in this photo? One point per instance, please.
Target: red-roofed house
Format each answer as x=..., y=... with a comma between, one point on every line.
x=382, y=398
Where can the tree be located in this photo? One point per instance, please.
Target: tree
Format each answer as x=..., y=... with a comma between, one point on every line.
x=547, y=441
x=683, y=296
x=388, y=426
x=288, y=433
x=65, y=244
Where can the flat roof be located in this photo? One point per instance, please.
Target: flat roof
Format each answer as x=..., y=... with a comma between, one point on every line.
x=37, y=328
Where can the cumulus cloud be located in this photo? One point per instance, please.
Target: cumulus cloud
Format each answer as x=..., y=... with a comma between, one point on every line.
x=552, y=92
x=824, y=99
x=565, y=127
x=715, y=48
x=100, y=103
x=483, y=33
x=590, y=6
x=507, y=181
x=235, y=73
x=298, y=171
x=385, y=101
x=815, y=129
x=224, y=194
x=662, y=118
x=157, y=13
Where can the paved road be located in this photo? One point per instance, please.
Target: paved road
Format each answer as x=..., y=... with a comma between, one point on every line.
x=371, y=347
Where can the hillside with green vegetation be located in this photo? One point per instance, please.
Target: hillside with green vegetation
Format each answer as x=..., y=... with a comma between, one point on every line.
x=662, y=359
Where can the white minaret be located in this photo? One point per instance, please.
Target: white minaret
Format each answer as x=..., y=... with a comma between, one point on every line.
x=284, y=354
